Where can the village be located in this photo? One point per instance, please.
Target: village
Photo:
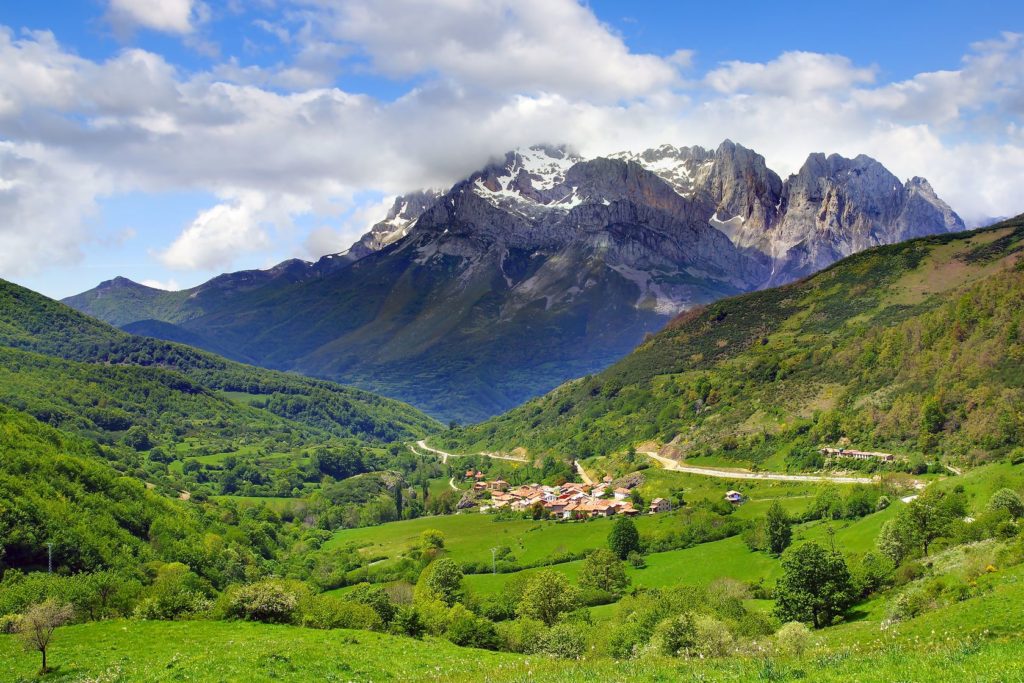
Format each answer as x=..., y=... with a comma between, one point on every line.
x=570, y=500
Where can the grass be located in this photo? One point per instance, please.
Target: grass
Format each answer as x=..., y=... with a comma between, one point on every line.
x=470, y=536
x=235, y=651
x=730, y=557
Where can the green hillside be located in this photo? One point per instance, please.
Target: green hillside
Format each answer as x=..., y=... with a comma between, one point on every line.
x=57, y=489
x=914, y=348
x=31, y=322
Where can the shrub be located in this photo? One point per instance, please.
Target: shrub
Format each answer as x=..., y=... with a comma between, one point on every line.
x=523, y=635
x=327, y=611
x=407, y=622
x=175, y=592
x=636, y=560
x=9, y=623
x=431, y=538
x=793, y=639
x=468, y=630
x=565, y=641
x=272, y=601
x=673, y=635
x=1009, y=500
x=711, y=637
x=375, y=597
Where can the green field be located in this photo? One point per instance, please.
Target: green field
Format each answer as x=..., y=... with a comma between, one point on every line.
x=729, y=558
x=469, y=536
x=235, y=651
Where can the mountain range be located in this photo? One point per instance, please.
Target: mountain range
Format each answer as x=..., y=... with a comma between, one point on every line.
x=540, y=267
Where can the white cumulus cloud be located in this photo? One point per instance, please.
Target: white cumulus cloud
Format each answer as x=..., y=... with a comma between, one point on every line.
x=169, y=16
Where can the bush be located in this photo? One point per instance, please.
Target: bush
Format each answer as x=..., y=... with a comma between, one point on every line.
x=431, y=539
x=327, y=611
x=565, y=641
x=9, y=623
x=711, y=637
x=407, y=622
x=1009, y=500
x=793, y=639
x=272, y=601
x=636, y=560
x=175, y=592
x=468, y=630
x=375, y=597
x=523, y=635
x=674, y=635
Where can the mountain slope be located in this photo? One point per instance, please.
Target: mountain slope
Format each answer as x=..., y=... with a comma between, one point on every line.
x=540, y=267
x=48, y=347
x=914, y=348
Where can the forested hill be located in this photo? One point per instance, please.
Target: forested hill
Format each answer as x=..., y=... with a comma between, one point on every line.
x=30, y=322
x=914, y=348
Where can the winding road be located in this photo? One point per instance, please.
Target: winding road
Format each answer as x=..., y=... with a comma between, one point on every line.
x=422, y=443
x=669, y=464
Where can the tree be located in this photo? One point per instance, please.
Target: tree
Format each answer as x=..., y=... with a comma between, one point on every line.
x=38, y=623
x=1009, y=500
x=624, y=538
x=547, y=596
x=603, y=570
x=893, y=542
x=929, y=517
x=815, y=585
x=444, y=579
x=778, y=529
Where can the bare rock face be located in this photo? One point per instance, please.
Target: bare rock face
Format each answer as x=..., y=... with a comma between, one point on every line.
x=834, y=207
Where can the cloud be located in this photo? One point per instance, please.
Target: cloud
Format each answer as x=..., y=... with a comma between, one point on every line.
x=167, y=16
x=792, y=74
x=529, y=46
x=333, y=239
x=168, y=286
x=282, y=142
x=218, y=235
x=44, y=199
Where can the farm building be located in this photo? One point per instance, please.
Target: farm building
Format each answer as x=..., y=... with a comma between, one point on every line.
x=659, y=505
x=857, y=455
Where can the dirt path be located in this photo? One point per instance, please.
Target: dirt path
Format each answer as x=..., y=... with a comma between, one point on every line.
x=670, y=464
x=451, y=482
x=583, y=473
x=422, y=443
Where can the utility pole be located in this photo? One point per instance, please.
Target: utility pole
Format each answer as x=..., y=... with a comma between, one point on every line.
x=49, y=557
x=494, y=566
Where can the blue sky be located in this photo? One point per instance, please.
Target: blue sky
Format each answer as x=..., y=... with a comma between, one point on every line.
x=171, y=140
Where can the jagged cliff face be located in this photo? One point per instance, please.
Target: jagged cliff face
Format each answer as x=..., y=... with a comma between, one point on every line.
x=540, y=267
